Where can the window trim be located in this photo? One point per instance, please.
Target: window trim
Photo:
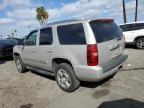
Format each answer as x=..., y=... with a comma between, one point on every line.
x=25, y=40
x=40, y=35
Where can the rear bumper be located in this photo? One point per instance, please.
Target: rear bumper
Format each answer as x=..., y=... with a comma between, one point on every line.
x=96, y=73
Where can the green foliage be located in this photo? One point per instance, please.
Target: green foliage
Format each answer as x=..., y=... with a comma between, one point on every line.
x=42, y=15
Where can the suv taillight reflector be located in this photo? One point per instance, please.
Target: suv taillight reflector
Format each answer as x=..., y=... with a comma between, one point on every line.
x=92, y=55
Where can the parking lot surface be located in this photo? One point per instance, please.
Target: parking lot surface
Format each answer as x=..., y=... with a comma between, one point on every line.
x=32, y=90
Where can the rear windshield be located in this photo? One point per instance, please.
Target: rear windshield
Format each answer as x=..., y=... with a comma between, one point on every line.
x=105, y=31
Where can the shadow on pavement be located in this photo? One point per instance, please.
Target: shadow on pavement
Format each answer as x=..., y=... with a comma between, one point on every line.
x=43, y=75
x=26, y=106
x=83, y=84
x=140, y=68
x=130, y=46
x=3, y=60
x=124, y=103
x=96, y=84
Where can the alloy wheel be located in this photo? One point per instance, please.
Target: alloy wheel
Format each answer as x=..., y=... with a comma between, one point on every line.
x=63, y=78
x=140, y=43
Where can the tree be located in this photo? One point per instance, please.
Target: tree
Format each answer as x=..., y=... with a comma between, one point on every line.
x=42, y=15
x=12, y=35
x=15, y=31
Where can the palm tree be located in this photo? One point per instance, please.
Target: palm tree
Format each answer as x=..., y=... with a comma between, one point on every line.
x=12, y=35
x=15, y=32
x=124, y=12
x=136, y=9
x=42, y=15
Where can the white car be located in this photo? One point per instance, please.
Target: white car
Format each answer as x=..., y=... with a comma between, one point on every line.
x=134, y=33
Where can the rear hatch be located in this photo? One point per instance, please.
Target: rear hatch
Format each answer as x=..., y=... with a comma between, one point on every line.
x=110, y=42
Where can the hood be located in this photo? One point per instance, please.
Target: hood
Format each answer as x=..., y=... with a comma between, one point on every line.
x=5, y=43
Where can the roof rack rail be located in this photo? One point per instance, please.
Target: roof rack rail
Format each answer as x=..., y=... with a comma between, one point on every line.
x=64, y=21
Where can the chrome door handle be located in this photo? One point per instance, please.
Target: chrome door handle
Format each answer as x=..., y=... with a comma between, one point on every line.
x=33, y=50
x=50, y=50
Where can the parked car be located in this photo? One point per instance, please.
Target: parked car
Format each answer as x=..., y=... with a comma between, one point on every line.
x=73, y=51
x=134, y=33
x=6, y=47
x=14, y=39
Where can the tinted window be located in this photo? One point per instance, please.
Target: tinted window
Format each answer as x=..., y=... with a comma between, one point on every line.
x=31, y=39
x=71, y=34
x=131, y=27
x=128, y=27
x=139, y=26
x=105, y=31
x=46, y=36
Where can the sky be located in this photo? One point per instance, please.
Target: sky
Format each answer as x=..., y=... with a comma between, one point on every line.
x=20, y=15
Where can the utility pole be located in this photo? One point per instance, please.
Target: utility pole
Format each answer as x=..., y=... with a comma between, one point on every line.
x=29, y=27
x=15, y=31
x=124, y=12
x=1, y=36
x=136, y=11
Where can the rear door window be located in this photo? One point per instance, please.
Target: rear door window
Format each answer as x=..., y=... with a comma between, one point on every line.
x=105, y=31
x=71, y=34
x=46, y=37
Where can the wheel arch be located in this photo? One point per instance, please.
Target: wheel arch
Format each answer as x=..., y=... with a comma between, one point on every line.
x=57, y=61
x=142, y=36
x=16, y=54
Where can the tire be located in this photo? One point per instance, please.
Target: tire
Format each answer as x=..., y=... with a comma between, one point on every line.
x=66, y=78
x=140, y=43
x=20, y=65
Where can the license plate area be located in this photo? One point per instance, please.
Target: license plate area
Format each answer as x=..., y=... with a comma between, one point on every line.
x=116, y=52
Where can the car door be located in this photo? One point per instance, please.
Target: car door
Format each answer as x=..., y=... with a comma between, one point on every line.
x=29, y=52
x=129, y=32
x=45, y=49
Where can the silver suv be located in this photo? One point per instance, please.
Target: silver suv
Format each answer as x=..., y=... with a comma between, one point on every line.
x=73, y=51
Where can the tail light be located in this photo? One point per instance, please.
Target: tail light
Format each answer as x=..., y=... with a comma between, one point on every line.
x=92, y=55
